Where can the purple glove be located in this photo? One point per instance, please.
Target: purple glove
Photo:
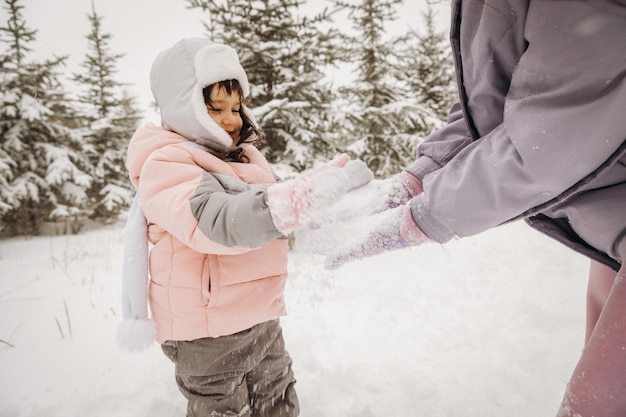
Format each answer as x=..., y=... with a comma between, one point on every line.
x=383, y=232
x=372, y=198
x=400, y=188
x=299, y=202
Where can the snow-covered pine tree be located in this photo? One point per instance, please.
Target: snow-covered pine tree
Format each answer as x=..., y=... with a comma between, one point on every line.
x=43, y=173
x=380, y=128
x=108, y=119
x=285, y=56
x=426, y=67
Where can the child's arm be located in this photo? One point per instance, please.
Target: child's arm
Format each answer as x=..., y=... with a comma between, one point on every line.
x=220, y=214
x=232, y=212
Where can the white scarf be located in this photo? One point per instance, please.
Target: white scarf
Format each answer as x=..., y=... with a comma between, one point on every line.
x=136, y=331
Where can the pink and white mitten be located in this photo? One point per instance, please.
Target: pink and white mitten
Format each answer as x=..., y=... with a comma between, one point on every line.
x=372, y=198
x=298, y=202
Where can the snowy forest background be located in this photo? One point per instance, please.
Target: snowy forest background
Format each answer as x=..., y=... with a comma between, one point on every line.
x=64, y=135
x=486, y=326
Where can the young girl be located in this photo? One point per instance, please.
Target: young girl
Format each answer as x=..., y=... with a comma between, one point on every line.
x=217, y=222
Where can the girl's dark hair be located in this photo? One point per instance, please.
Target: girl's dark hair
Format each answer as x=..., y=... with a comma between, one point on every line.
x=250, y=133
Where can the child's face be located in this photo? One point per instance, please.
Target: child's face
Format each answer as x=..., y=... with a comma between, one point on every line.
x=225, y=109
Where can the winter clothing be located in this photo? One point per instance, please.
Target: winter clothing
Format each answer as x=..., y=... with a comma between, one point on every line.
x=177, y=78
x=387, y=224
x=411, y=184
x=201, y=213
x=217, y=265
x=218, y=262
x=539, y=131
x=299, y=202
x=598, y=383
x=137, y=331
x=372, y=198
x=208, y=278
x=539, y=134
x=601, y=279
x=211, y=373
x=385, y=231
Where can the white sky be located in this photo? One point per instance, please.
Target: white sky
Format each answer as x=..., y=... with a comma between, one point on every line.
x=141, y=29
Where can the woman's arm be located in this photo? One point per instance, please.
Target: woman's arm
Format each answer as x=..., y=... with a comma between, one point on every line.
x=563, y=118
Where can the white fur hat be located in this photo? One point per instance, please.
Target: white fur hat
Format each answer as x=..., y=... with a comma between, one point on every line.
x=177, y=78
x=218, y=62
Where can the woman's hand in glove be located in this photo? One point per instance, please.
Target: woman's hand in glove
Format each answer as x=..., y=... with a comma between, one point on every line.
x=299, y=201
x=375, y=197
x=383, y=232
x=399, y=189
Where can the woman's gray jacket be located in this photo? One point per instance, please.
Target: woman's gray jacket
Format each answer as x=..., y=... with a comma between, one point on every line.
x=539, y=131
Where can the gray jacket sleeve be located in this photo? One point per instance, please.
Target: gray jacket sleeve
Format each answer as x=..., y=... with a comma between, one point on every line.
x=563, y=117
x=443, y=145
x=232, y=212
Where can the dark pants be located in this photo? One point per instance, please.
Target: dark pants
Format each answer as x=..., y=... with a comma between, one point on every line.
x=247, y=374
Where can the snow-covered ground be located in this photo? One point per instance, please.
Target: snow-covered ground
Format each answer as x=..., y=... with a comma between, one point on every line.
x=485, y=326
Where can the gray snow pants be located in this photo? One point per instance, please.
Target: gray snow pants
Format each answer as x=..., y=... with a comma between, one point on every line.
x=247, y=374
